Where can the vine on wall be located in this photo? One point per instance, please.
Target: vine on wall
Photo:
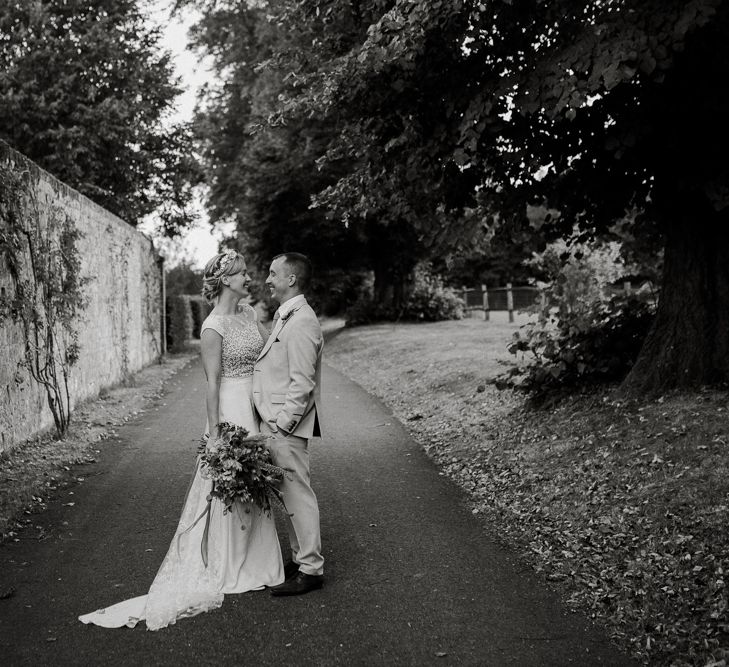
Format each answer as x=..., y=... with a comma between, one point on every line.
x=46, y=294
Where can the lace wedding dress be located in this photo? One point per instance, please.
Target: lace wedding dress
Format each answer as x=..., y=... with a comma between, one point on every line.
x=239, y=559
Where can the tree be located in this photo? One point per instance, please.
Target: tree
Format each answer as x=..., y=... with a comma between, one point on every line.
x=183, y=278
x=84, y=91
x=261, y=176
x=264, y=173
x=457, y=112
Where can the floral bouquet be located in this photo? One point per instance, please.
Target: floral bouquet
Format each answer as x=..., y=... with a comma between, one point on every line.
x=241, y=468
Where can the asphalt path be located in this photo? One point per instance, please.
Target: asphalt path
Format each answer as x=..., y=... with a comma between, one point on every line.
x=412, y=577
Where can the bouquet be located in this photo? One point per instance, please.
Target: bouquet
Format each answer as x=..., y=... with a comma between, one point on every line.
x=241, y=468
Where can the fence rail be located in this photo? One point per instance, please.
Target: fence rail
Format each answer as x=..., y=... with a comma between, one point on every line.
x=507, y=298
x=512, y=298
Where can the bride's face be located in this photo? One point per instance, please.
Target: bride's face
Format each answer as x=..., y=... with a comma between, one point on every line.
x=239, y=282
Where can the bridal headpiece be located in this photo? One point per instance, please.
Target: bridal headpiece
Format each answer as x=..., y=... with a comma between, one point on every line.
x=225, y=261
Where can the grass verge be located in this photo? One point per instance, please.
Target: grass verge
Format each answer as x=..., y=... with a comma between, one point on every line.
x=31, y=472
x=624, y=503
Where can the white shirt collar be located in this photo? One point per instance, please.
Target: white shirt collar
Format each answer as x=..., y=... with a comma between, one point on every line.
x=287, y=306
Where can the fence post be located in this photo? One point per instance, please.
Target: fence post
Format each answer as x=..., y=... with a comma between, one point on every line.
x=627, y=287
x=510, y=302
x=464, y=289
x=485, y=296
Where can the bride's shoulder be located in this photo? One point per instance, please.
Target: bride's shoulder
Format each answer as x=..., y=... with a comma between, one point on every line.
x=213, y=321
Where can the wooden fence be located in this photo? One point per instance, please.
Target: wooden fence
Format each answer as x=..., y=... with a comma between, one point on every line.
x=507, y=298
x=512, y=298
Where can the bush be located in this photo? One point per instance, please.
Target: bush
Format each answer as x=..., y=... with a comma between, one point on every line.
x=333, y=291
x=199, y=310
x=595, y=345
x=429, y=300
x=583, y=336
x=179, y=322
x=183, y=279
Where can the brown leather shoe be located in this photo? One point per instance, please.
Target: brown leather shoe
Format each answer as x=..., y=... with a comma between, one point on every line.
x=299, y=584
x=290, y=569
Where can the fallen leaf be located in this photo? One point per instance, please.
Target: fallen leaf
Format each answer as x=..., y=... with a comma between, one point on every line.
x=8, y=593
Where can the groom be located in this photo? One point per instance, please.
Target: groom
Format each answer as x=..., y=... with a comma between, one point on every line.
x=286, y=392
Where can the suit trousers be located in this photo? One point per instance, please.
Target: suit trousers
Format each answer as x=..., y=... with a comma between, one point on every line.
x=292, y=452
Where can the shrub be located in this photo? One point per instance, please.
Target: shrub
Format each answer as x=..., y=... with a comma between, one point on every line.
x=332, y=292
x=179, y=322
x=598, y=344
x=583, y=336
x=429, y=300
x=183, y=279
x=199, y=310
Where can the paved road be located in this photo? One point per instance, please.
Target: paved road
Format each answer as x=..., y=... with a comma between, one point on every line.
x=412, y=578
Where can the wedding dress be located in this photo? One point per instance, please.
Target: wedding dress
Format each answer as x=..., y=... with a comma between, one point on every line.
x=239, y=559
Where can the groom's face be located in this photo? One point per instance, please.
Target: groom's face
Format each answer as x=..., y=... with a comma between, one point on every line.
x=278, y=280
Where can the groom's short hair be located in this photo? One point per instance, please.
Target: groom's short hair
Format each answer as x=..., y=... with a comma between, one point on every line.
x=300, y=266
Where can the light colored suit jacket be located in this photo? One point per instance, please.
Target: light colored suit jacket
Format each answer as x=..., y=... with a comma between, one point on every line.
x=287, y=375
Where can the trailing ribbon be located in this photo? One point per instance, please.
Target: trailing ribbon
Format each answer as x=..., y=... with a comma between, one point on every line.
x=204, y=541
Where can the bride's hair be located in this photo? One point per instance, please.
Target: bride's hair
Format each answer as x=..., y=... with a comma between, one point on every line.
x=226, y=263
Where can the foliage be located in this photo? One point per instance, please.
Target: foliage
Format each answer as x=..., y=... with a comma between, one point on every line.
x=496, y=257
x=442, y=117
x=592, y=345
x=577, y=274
x=183, y=278
x=501, y=105
x=452, y=115
x=68, y=102
x=583, y=335
x=199, y=310
x=47, y=297
x=261, y=176
x=336, y=290
x=241, y=468
x=428, y=300
x=264, y=173
x=179, y=322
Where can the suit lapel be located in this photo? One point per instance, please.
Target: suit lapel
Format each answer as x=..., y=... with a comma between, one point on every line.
x=277, y=329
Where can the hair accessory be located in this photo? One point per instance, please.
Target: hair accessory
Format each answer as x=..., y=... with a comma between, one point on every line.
x=225, y=261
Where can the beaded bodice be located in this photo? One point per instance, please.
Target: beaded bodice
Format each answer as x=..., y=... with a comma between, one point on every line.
x=241, y=341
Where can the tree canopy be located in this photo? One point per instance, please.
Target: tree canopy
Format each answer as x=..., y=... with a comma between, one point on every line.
x=85, y=89
x=606, y=116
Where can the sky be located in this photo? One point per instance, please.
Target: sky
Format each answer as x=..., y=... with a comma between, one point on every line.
x=201, y=242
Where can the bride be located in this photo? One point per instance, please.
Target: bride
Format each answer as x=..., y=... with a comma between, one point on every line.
x=243, y=550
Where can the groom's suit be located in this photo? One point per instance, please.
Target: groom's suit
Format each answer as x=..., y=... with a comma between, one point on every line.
x=286, y=393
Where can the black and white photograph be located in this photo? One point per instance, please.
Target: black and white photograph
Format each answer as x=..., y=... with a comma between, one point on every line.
x=364, y=333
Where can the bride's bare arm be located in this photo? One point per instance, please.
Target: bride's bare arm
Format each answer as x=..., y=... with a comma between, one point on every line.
x=211, y=350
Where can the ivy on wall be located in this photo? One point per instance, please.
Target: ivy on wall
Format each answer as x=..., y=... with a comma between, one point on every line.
x=45, y=295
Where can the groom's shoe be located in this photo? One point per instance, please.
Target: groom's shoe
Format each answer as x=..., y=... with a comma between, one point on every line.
x=299, y=584
x=290, y=569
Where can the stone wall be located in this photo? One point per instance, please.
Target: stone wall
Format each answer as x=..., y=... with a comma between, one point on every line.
x=120, y=328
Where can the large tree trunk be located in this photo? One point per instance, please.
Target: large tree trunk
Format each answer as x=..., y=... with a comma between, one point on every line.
x=688, y=344
x=393, y=255
x=392, y=284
